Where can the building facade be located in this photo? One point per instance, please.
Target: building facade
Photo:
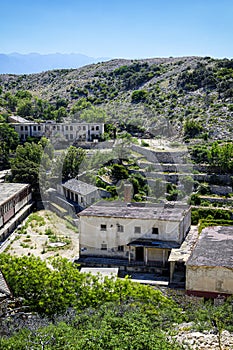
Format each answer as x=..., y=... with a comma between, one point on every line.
x=68, y=131
x=80, y=192
x=13, y=198
x=209, y=269
x=129, y=231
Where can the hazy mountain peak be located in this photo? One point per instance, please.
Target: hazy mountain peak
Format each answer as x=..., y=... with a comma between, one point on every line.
x=17, y=63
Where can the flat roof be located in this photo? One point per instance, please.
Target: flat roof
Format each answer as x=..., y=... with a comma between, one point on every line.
x=214, y=248
x=8, y=190
x=119, y=209
x=182, y=253
x=80, y=187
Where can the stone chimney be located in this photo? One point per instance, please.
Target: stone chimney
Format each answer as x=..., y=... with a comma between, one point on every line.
x=128, y=190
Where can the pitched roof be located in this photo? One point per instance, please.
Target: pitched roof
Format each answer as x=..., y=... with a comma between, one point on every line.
x=4, y=289
x=214, y=248
x=79, y=187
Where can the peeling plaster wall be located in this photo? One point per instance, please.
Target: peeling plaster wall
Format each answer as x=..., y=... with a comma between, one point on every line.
x=209, y=279
x=92, y=236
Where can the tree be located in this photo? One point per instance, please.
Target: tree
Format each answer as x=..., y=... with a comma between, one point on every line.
x=94, y=115
x=139, y=96
x=24, y=108
x=9, y=140
x=26, y=163
x=192, y=128
x=71, y=162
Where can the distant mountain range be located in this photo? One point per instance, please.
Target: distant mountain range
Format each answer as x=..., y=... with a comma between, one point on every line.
x=15, y=63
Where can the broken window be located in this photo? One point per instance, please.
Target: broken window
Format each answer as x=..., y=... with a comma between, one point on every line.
x=120, y=228
x=155, y=230
x=103, y=227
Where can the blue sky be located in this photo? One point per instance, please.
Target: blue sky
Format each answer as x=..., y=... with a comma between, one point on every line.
x=123, y=28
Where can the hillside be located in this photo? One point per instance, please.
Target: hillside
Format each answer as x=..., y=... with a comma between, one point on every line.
x=176, y=97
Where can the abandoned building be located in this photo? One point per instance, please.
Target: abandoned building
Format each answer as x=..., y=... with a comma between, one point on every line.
x=69, y=131
x=133, y=232
x=15, y=205
x=209, y=269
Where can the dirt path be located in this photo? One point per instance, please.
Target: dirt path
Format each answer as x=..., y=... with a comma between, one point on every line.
x=44, y=234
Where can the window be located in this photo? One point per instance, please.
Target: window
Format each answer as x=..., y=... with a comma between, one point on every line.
x=39, y=127
x=84, y=128
x=71, y=128
x=155, y=230
x=103, y=246
x=103, y=227
x=92, y=128
x=82, y=201
x=97, y=127
x=71, y=136
x=66, y=127
x=120, y=248
x=120, y=228
x=137, y=229
x=21, y=128
x=34, y=127
x=26, y=128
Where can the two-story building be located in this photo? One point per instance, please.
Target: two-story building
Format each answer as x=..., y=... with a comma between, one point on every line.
x=133, y=231
x=68, y=131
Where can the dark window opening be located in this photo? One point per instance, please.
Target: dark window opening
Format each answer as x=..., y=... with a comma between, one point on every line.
x=155, y=230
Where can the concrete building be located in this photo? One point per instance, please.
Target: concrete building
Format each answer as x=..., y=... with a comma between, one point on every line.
x=209, y=269
x=134, y=232
x=68, y=131
x=15, y=204
x=81, y=193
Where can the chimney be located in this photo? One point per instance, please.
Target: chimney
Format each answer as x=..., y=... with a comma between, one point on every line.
x=128, y=192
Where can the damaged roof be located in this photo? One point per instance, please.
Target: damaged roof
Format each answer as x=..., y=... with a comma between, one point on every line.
x=79, y=187
x=119, y=209
x=214, y=248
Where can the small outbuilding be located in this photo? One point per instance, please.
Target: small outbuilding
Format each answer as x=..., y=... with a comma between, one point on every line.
x=209, y=269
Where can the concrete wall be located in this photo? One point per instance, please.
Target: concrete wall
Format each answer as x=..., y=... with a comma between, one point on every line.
x=92, y=236
x=209, y=279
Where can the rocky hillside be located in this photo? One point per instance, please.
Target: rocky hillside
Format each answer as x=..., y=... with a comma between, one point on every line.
x=178, y=97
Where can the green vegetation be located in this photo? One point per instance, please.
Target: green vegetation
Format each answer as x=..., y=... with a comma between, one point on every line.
x=86, y=312
x=9, y=140
x=210, y=215
x=219, y=156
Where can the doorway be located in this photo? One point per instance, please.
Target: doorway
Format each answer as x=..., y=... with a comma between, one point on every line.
x=139, y=253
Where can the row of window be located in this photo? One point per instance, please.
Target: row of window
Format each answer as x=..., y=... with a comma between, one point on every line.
x=137, y=229
x=57, y=127
x=120, y=248
x=26, y=127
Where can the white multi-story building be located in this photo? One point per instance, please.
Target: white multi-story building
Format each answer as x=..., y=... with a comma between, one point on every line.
x=68, y=131
x=133, y=231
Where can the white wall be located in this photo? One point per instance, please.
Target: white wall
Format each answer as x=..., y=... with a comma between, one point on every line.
x=209, y=279
x=91, y=235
